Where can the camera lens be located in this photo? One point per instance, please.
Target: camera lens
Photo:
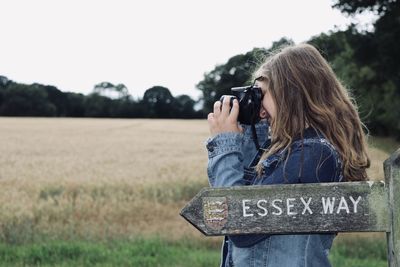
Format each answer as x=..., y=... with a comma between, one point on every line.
x=249, y=98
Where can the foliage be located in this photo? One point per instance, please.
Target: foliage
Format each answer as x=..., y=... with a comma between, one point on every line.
x=23, y=100
x=367, y=62
x=351, y=6
x=236, y=72
x=373, y=67
x=185, y=107
x=154, y=251
x=160, y=102
x=106, y=100
x=110, y=89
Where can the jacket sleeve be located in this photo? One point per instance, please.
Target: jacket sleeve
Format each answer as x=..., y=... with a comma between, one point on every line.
x=225, y=160
x=229, y=154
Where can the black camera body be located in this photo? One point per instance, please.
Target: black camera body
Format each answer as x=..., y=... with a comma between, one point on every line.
x=249, y=98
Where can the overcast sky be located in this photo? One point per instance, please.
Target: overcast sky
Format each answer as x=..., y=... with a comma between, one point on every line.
x=75, y=44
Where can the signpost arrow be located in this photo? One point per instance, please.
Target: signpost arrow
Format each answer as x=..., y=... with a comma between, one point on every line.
x=290, y=208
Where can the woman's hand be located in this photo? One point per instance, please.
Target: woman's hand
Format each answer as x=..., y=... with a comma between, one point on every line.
x=222, y=120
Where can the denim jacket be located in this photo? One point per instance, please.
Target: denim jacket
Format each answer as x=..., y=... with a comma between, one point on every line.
x=232, y=157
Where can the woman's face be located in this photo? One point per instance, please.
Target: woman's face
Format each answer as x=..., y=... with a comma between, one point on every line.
x=268, y=107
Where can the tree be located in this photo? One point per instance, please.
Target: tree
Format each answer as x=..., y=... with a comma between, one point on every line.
x=376, y=56
x=236, y=72
x=159, y=102
x=3, y=84
x=55, y=97
x=185, y=107
x=75, y=106
x=25, y=100
x=110, y=90
x=354, y=7
x=97, y=106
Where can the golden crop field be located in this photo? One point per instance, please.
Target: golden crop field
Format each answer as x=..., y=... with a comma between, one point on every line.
x=103, y=178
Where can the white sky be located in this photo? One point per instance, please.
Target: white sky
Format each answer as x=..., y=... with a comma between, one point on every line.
x=75, y=44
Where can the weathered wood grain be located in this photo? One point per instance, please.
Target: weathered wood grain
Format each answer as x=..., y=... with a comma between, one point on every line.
x=392, y=179
x=294, y=208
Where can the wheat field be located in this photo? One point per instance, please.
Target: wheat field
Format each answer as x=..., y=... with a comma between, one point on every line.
x=96, y=179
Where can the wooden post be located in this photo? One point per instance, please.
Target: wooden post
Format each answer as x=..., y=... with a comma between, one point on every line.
x=392, y=179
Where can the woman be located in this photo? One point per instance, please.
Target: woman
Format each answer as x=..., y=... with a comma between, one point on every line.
x=311, y=133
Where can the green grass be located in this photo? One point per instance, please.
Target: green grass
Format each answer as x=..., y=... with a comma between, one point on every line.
x=157, y=252
x=141, y=252
x=366, y=252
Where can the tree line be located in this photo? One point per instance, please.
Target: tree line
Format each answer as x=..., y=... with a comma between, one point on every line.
x=367, y=62
x=106, y=100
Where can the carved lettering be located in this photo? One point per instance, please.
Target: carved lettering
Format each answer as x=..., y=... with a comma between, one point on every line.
x=328, y=204
x=343, y=206
x=289, y=206
x=306, y=205
x=355, y=203
x=245, y=208
x=279, y=209
x=262, y=208
x=292, y=206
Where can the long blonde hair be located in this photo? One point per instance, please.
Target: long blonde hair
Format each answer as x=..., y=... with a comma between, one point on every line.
x=306, y=92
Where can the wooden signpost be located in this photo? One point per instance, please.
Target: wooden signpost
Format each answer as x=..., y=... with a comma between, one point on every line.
x=304, y=208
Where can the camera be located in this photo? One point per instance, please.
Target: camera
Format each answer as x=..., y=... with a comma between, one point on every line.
x=249, y=98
